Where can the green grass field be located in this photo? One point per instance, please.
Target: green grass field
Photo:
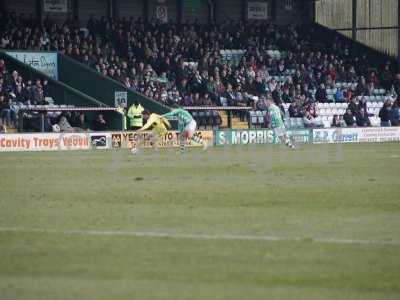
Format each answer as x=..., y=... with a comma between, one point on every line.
x=321, y=222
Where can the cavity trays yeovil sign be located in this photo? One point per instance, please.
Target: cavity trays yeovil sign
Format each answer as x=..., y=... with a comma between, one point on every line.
x=44, y=142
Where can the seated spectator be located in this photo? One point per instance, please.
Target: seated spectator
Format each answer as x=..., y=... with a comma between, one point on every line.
x=295, y=110
x=261, y=104
x=385, y=113
x=310, y=121
x=395, y=116
x=64, y=124
x=230, y=95
x=79, y=122
x=362, y=88
x=20, y=95
x=286, y=96
x=354, y=105
x=339, y=96
x=320, y=94
x=362, y=104
x=336, y=122
x=349, y=118
x=362, y=119
x=99, y=124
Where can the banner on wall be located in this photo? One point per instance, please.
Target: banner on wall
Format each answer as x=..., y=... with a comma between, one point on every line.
x=121, y=99
x=127, y=139
x=162, y=13
x=356, y=135
x=258, y=136
x=257, y=10
x=55, y=6
x=45, y=62
x=336, y=135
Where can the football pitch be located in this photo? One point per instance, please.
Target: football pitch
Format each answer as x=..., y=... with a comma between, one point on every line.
x=262, y=222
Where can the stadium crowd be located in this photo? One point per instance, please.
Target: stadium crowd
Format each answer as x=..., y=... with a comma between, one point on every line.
x=17, y=93
x=182, y=64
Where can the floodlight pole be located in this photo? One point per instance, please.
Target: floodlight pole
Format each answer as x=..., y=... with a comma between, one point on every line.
x=354, y=21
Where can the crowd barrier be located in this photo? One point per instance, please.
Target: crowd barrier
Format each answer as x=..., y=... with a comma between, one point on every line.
x=126, y=139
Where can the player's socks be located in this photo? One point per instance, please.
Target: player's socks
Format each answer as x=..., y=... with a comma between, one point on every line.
x=289, y=143
x=197, y=139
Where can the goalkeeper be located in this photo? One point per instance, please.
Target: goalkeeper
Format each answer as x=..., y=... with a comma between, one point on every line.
x=186, y=127
x=159, y=127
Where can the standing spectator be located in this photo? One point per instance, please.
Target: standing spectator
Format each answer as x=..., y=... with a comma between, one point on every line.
x=386, y=77
x=385, y=113
x=362, y=119
x=349, y=118
x=135, y=116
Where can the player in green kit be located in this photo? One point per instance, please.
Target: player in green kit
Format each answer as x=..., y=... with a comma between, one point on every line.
x=277, y=123
x=186, y=126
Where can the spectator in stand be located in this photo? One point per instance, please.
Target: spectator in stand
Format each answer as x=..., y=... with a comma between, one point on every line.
x=261, y=104
x=354, y=105
x=336, y=122
x=362, y=104
x=339, y=96
x=79, y=121
x=349, y=118
x=362, y=119
x=395, y=116
x=7, y=113
x=321, y=95
x=295, y=110
x=286, y=96
x=310, y=121
x=64, y=123
x=386, y=113
x=100, y=123
x=362, y=88
x=386, y=77
x=137, y=52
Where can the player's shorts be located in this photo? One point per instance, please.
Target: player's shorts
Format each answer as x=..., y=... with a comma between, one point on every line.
x=279, y=131
x=191, y=127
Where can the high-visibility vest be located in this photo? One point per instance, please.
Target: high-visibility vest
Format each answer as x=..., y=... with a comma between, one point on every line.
x=135, y=115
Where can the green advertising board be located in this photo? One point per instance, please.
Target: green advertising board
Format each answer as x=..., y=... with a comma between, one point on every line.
x=258, y=136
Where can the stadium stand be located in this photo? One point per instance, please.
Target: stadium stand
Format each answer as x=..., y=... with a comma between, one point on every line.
x=233, y=63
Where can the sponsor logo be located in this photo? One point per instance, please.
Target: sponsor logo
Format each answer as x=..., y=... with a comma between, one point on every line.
x=116, y=140
x=98, y=140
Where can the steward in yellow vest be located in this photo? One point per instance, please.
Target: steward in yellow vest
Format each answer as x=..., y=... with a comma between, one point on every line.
x=135, y=116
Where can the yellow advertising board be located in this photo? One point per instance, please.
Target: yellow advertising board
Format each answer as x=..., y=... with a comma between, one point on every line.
x=126, y=139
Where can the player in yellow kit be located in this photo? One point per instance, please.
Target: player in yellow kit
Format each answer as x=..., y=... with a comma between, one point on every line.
x=159, y=127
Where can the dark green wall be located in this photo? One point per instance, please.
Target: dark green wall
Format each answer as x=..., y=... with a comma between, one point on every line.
x=90, y=82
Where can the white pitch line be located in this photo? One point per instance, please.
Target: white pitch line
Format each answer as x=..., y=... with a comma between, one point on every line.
x=197, y=236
